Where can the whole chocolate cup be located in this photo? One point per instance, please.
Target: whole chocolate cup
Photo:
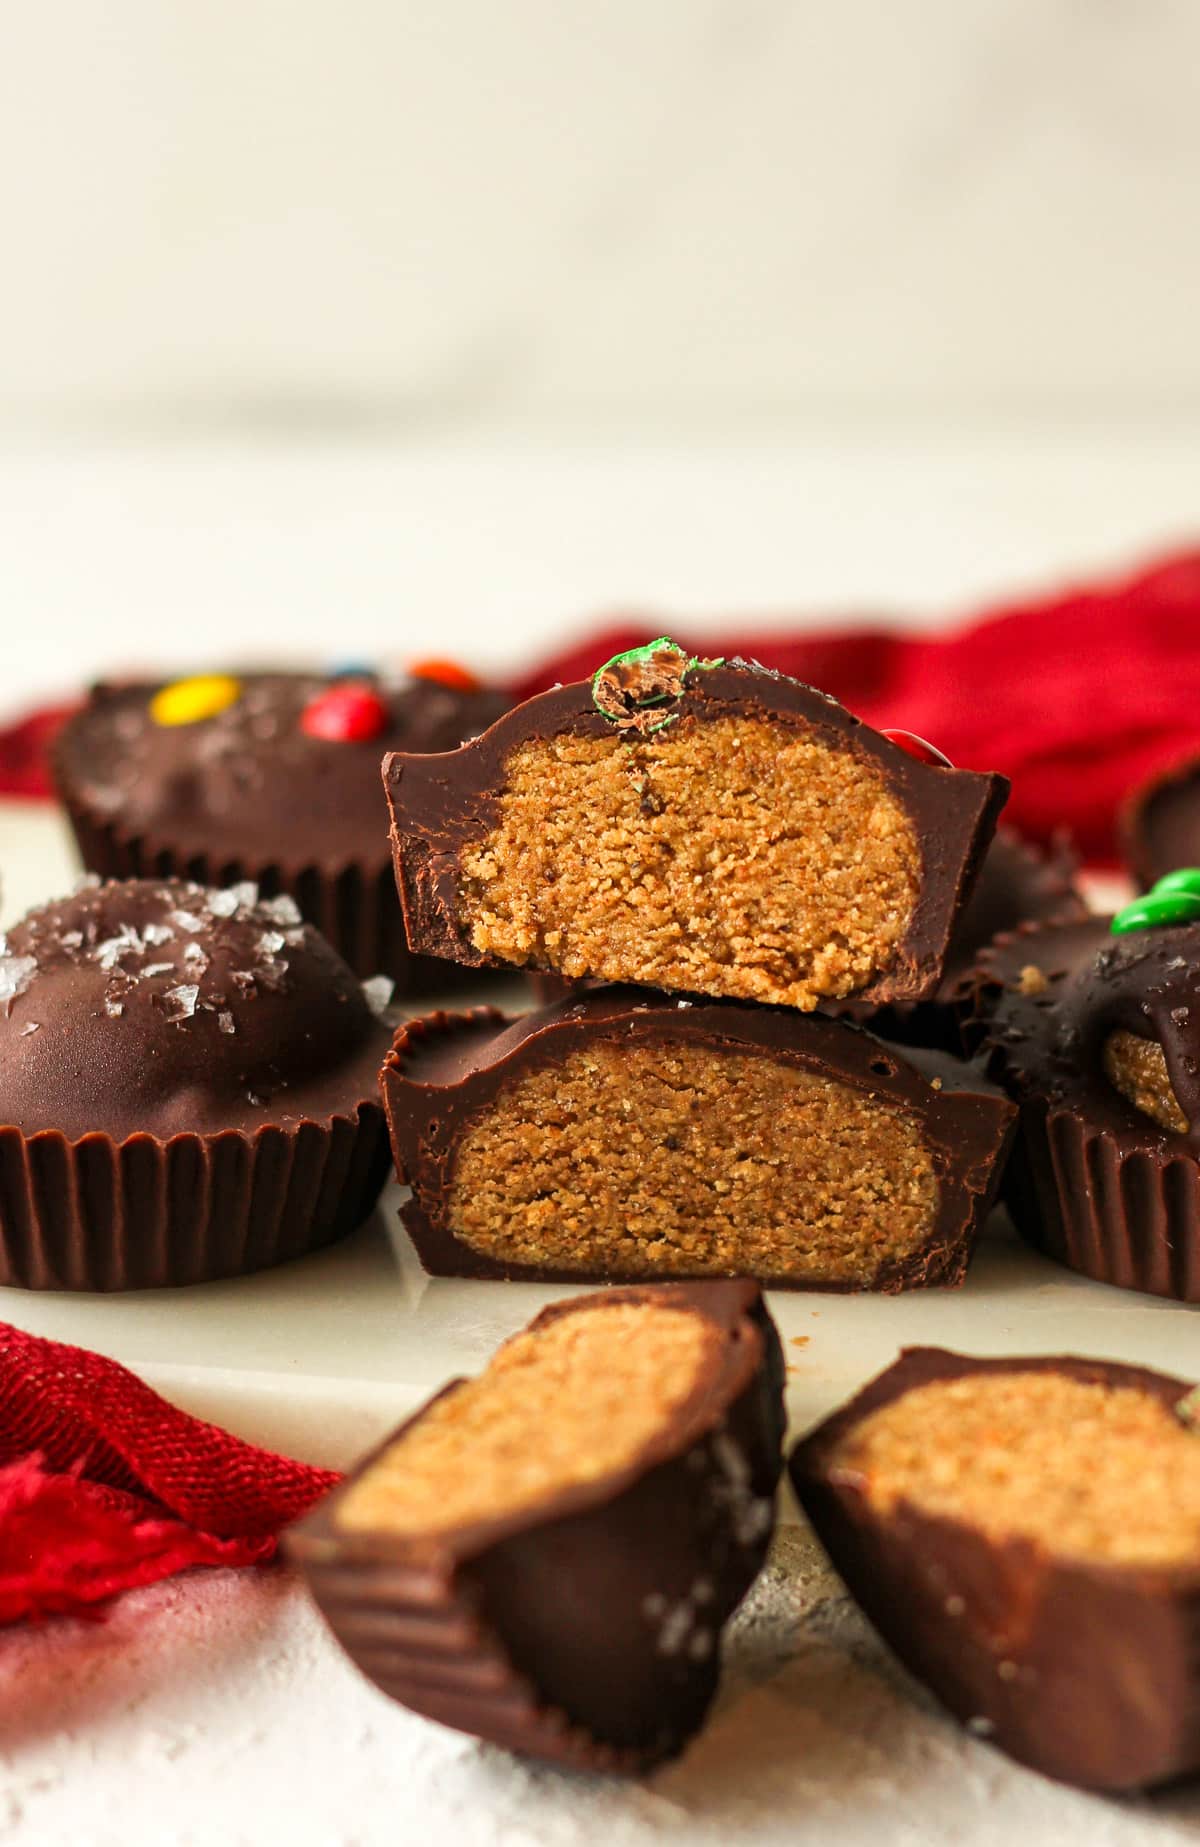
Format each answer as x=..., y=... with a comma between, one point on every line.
x=154, y=1134
x=439, y=804
x=317, y=830
x=1090, y=1182
x=1089, y=1673
x=546, y=1631
x=445, y=1068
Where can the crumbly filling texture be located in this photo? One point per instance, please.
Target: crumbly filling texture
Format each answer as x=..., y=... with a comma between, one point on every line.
x=1085, y=1471
x=557, y=1408
x=734, y=857
x=1138, y=1069
x=677, y=1159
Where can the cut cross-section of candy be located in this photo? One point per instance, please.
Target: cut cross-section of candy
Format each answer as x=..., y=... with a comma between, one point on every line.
x=695, y=826
x=546, y=1555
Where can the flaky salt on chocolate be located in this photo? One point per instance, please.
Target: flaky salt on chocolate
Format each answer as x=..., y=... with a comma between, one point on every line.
x=696, y=826
x=188, y=1087
x=620, y=1135
x=1025, y=1533
x=545, y=1555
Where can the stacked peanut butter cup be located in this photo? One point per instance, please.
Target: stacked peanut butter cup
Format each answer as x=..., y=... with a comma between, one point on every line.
x=719, y=860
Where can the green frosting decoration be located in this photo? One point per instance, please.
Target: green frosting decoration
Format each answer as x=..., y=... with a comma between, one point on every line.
x=1174, y=899
x=625, y=688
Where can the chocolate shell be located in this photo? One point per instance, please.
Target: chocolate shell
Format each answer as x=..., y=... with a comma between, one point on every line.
x=710, y=827
x=1083, y=1668
x=583, y=1627
x=1094, y=1181
x=1159, y=826
x=249, y=794
x=621, y=1134
x=188, y=1088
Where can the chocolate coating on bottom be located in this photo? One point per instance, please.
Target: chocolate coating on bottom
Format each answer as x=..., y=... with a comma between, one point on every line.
x=447, y=1075
x=567, y=1632
x=1088, y=1672
x=1095, y=1182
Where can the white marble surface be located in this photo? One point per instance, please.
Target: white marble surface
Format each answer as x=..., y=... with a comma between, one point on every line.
x=214, y=1709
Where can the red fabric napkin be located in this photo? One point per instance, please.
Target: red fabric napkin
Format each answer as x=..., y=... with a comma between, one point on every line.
x=104, y=1485
x=1077, y=697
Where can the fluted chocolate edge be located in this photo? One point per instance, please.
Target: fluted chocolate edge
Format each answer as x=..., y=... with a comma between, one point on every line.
x=146, y=1213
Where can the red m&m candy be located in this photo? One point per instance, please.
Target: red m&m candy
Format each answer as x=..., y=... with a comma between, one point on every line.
x=913, y=746
x=446, y=673
x=345, y=713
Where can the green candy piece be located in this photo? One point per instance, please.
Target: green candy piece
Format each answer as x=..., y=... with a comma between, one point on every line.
x=643, y=677
x=1157, y=909
x=1186, y=878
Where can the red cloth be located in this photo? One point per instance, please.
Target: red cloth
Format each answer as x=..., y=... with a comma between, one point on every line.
x=104, y=1485
x=23, y=749
x=1077, y=697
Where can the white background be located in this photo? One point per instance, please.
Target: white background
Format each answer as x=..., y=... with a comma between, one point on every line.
x=654, y=214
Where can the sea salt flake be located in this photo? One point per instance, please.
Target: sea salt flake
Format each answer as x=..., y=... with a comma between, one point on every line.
x=156, y=934
x=246, y=892
x=377, y=992
x=226, y=1022
x=186, y=920
x=222, y=903
x=113, y=1008
x=16, y=973
x=271, y=942
x=158, y=968
x=281, y=910
x=195, y=956
x=127, y=942
x=71, y=939
x=30, y=1026
x=180, y=1003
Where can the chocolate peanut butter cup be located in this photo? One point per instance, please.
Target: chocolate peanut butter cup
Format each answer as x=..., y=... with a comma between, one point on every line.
x=545, y=1555
x=270, y=777
x=622, y=1134
x=1097, y=1038
x=188, y=1088
x=1025, y=1535
x=696, y=826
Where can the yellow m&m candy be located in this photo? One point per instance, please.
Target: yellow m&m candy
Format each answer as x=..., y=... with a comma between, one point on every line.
x=186, y=702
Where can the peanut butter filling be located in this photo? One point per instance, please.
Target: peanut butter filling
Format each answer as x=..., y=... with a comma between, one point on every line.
x=673, y=1159
x=1138, y=1069
x=557, y=1408
x=1086, y=1471
x=737, y=857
